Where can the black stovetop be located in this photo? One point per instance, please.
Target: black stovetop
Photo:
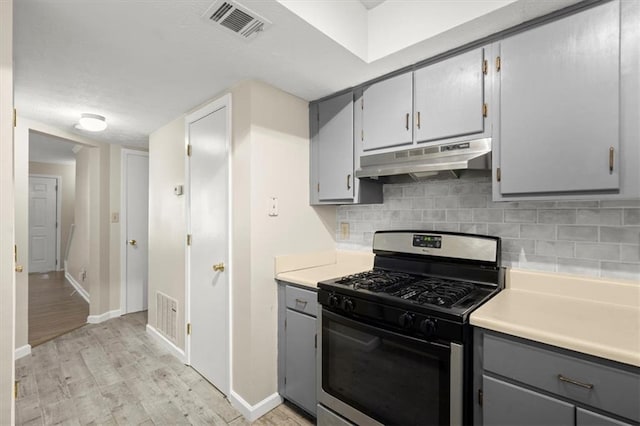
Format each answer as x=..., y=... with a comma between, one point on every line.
x=427, y=294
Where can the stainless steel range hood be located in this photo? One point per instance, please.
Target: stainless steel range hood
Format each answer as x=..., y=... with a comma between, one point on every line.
x=435, y=161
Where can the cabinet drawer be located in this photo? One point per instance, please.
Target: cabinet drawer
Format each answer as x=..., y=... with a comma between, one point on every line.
x=608, y=388
x=305, y=301
x=506, y=404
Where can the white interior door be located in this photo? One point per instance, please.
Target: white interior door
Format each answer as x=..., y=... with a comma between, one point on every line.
x=135, y=222
x=209, y=206
x=43, y=217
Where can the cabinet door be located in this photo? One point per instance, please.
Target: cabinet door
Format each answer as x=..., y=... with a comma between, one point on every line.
x=387, y=113
x=559, y=97
x=449, y=97
x=300, y=370
x=335, y=148
x=589, y=418
x=506, y=404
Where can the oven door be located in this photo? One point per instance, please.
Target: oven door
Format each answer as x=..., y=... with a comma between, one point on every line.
x=370, y=375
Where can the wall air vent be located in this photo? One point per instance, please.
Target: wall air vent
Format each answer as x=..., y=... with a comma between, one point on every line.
x=233, y=16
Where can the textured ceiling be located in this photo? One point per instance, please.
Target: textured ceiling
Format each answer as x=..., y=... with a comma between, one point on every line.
x=370, y=4
x=144, y=63
x=50, y=149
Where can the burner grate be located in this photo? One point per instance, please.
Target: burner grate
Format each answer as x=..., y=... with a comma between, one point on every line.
x=422, y=290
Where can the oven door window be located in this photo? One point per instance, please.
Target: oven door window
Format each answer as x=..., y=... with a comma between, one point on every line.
x=392, y=378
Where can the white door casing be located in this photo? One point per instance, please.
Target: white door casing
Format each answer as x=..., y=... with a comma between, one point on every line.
x=44, y=212
x=134, y=231
x=208, y=131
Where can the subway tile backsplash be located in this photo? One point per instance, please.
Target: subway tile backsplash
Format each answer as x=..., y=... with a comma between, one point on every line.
x=597, y=238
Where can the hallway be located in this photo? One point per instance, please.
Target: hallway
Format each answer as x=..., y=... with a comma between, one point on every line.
x=114, y=373
x=53, y=310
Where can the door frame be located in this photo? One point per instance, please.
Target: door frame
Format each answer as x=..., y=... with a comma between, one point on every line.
x=218, y=104
x=123, y=228
x=58, y=215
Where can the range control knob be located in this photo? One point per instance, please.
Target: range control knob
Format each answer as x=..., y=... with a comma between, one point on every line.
x=428, y=327
x=406, y=320
x=333, y=301
x=349, y=304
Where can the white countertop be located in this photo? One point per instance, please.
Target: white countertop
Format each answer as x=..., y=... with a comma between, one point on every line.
x=310, y=268
x=593, y=316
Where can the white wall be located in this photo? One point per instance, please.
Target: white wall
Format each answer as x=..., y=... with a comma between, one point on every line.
x=7, y=280
x=78, y=261
x=270, y=157
x=167, y=226
x=279, y=153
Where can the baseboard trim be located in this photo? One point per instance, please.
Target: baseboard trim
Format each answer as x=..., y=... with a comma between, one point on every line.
x=23, y=351
x=175, y=351
x=81, y=291
x=97, y=319
x=254, y=412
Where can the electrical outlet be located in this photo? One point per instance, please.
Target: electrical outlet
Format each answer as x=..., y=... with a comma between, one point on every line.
x=344, y=230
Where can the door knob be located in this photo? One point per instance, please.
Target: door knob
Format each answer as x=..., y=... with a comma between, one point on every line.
x=218, y=267
x=133, y=242
x=19, y=268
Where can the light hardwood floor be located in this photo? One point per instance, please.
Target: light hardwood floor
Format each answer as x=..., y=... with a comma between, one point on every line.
x=114, y=373
x=53, y=311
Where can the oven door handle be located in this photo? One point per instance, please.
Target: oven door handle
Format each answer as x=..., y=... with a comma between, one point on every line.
x=381, y=332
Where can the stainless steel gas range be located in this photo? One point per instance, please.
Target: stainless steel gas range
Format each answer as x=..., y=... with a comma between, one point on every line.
x=394, y=343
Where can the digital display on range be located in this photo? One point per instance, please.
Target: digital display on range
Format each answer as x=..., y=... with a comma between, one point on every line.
x=427, y=241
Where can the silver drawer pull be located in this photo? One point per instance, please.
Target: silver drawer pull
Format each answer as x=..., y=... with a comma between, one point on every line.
x=302, y=302
x=574, y=382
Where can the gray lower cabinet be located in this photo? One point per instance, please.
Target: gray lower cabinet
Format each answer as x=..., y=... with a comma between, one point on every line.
x=297, y=312
x=564, y=109
x=511, y=405
x=528, y=383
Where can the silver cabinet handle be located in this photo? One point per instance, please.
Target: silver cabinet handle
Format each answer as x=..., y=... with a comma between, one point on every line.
x=406, y=121
x=611, y=152
x=348, y=181
x=301, y=302
x=418, y=119
x=574, y=382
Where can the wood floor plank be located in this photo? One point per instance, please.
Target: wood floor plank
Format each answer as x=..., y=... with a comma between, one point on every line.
x=53, y=310
x=113, y=373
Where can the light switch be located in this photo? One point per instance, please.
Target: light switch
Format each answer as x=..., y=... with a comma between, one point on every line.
x=178, y=190
x=273, y=206
x=115, y=217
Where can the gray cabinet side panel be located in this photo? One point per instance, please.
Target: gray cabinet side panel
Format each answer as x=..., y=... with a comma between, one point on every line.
x=589, y=418
x=449, y=96
x=560, y=104
x=301, y=360
x=510, y=405
x=314, y=154
x=335, y=148
x=387, y=119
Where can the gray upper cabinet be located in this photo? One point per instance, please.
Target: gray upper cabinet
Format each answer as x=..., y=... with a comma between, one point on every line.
x=332, y=156
x=387, y=110
x=559, y=106
x=449, y=97
x=335, y=150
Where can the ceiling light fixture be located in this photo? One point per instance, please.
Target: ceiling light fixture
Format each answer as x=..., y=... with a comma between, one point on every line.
x=91, y=122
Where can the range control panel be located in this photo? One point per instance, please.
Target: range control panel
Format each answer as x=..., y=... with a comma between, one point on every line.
x=427, y=241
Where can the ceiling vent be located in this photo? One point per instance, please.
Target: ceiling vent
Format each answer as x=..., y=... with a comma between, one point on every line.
x=244, y=22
